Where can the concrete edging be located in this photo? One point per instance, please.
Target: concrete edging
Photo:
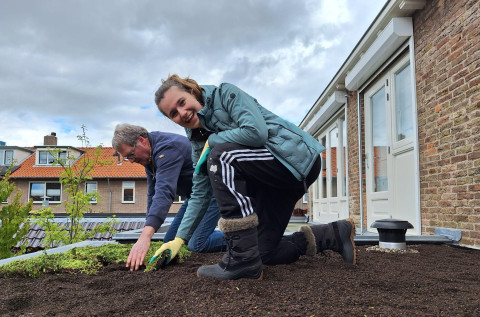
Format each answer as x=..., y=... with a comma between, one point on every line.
x=57, y=250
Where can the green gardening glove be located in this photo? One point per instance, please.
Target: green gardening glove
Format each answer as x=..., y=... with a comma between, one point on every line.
x=201, y=168
x=172, y=246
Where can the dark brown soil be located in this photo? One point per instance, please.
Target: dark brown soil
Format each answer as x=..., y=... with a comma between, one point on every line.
x=439, y=280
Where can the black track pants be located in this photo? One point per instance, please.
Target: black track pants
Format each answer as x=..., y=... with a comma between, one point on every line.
x=247, y=180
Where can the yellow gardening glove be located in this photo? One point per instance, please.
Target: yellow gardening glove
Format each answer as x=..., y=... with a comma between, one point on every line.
x=201, y=167
x=172, y=246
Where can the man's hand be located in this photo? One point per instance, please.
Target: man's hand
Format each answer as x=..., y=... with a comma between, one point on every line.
x=201, y=167
x=173, y=246
x=140, y=249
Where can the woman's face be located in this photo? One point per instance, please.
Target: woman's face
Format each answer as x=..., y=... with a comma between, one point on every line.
x=181, y=107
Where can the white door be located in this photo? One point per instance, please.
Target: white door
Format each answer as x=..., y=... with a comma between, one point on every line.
x=330, y=190
x=389, y=148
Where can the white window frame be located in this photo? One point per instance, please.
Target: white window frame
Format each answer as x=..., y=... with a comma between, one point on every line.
x=3, y=157
x=44, y=192
x=93, y=201
x=178, y=199
x=305, y=198
x=128, y=185
x=341, y=162
x=50, y=158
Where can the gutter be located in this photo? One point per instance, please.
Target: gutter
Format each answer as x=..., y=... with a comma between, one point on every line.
x=109, y=196
x=360, y=168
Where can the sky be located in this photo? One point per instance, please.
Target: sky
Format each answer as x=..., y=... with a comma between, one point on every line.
x=68, y=64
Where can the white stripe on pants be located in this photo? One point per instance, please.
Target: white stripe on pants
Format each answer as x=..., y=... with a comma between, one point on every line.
x=228, y=173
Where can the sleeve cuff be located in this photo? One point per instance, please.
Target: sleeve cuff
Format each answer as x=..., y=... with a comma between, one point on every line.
x=154, y=222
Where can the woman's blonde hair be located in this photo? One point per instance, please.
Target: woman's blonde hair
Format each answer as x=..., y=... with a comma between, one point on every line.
x=185, y=84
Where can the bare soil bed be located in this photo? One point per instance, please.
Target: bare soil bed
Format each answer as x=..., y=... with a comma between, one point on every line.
x=439, y=280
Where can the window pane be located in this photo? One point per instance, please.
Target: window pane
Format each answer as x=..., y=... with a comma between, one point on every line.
x=178, y=199
x=323, y=189
x=333, y=161
x=42, y=158
x=54, y=191
x=403, y=104
x=128, y=184
x=344, y=153
x=128, y=194
x=91, y=187
x=62, y=156
x=128, y=191
x=50, y=158
x=37, y=191
x=8, y=157
x=379, y=133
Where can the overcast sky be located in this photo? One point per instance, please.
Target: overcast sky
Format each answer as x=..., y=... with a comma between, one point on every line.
x=68, y=63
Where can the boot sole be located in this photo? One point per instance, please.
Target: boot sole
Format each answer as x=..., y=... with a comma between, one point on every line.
x=352, y=234
x=254, y=278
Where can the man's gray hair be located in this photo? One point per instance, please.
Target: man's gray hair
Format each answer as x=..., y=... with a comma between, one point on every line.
x=127, y=134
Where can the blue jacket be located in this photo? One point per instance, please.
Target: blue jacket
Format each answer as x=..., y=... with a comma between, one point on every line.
x=234, y=116
x=169, y=174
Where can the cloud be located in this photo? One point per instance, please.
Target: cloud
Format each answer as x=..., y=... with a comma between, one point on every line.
x=68, y=63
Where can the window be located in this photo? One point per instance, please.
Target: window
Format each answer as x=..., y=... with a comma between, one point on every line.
x=91, y=188
x=128, y=192
x=38, y=191
x=6, y=157
x=332, y=181
x=47, y=158
x=403, y=104
x=178, y=199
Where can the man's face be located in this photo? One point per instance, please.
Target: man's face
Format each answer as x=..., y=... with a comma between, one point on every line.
x=139, y=153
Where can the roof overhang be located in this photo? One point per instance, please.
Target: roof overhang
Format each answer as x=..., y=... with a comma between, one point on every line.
x=16, y=148
x=331, y=106
x=388, y=29
x=391, y=38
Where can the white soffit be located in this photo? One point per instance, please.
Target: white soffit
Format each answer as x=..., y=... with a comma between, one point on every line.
x=331, y=106
x=389, y=40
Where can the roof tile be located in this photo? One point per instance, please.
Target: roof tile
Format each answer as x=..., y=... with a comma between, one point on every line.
x=110, y=170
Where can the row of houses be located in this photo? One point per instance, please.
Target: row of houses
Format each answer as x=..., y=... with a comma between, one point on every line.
x=400, y=121
x=121, y=185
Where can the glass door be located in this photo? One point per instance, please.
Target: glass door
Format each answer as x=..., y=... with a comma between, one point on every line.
x=330, y=189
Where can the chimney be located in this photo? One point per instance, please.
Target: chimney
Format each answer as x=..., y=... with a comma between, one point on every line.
x=50, y=139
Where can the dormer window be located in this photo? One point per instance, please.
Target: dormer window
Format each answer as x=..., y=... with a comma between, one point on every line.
x=45, y=157
x=6, y=157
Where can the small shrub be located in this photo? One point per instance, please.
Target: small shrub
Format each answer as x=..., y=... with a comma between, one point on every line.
x=87, y=260
x=14, y=222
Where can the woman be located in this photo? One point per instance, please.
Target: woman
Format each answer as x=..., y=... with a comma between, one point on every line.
x=258, y=166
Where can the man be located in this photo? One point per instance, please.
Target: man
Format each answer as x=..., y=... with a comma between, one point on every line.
x=169, y=168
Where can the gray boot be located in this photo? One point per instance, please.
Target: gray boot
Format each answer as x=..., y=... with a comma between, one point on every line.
x=242, y=259
x=336, y=236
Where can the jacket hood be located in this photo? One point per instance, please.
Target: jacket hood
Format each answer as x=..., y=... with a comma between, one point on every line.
x=208, y=94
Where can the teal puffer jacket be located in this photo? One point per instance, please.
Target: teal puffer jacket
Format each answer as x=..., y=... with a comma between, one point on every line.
x=234, y=116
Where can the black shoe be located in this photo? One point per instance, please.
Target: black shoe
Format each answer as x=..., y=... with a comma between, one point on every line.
x=242, y=259
x=221, y=271
x=336, y=236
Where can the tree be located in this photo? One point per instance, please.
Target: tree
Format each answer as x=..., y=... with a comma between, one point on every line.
x=73, y=178
x=14, y=223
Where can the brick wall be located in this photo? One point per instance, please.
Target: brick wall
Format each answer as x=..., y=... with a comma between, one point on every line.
x=140, y=205
x=447, y=47
x=353, y=169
